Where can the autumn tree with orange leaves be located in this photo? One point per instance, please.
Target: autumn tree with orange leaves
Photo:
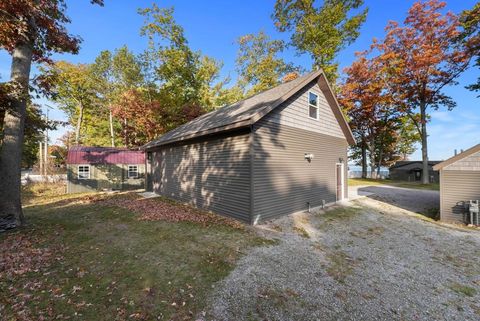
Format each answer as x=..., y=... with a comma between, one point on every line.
x=423, y=56
x=375, y=120
x=30, y=30
x=141, y=117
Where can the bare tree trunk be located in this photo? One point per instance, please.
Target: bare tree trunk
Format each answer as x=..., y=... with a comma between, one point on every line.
x=371, y=151
x=112, y=134
x=79, y=125
x=125, y=132
x=379, y=163
x=364, y=159
x=380, y=156
x=11, y=214
x=423, y=119
x=2, y=116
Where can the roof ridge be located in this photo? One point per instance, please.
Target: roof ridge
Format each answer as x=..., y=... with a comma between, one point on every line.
x=472, y=150
x=249, y=110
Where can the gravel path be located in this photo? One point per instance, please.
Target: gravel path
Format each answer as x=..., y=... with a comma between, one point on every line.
x=415, y=200
x=371, y=261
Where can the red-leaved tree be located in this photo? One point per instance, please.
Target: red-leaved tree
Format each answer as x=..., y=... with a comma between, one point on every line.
x=374, y=119
x=30, y=30
x=141, y=121
x=423, y=56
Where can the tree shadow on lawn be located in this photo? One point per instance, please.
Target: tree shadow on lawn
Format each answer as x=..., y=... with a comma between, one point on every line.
x=108, y=265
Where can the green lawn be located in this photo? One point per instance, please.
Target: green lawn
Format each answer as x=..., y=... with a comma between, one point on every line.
x=84, y=260
x=373, y=182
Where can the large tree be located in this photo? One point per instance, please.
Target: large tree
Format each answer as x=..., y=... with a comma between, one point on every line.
x=116, y=74
x=424, y=57
x=74, y=89
x=470, y=37
x=143, y=115
x=102, y=71
x=30, y=30
x=258, y=63
x=321, y=31
x=383, y=132
x=184, y=77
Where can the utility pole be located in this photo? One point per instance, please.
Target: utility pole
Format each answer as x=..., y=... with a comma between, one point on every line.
x=40, y=158
x=45, y=165
x=46, y=156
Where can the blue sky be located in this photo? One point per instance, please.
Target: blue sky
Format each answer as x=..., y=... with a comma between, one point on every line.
x=212, y=27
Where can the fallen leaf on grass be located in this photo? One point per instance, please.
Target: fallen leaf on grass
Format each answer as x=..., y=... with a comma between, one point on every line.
x=160, y=210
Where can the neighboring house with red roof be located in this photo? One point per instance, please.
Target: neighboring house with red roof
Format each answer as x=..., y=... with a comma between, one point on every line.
x=104, y=168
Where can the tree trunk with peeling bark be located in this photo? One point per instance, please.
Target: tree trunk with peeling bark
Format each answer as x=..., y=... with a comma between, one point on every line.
x=11, y=214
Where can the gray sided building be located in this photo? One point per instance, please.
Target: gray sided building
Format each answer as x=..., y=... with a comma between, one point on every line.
x=459, y=183
x=411, y=171
x=92, y=169
x=281, y=151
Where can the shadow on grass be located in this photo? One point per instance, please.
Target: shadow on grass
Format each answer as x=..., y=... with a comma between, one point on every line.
x=114, y=266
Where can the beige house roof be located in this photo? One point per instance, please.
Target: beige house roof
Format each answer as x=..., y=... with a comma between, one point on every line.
x=457, y=157
x=248, y=111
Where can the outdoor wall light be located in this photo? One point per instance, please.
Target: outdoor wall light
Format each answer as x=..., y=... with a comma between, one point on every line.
x=340, y=160
x=309, y=157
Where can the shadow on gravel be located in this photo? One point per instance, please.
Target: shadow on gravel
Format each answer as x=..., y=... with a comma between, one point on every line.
x=425, y=202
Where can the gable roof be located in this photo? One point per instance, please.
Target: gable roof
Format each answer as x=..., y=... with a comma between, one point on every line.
x=405, y=163
x=104, y=155
x=457, y=157
x=248, y=111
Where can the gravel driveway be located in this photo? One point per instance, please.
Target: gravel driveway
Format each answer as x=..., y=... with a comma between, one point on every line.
x=370, y=261
x=415, y=200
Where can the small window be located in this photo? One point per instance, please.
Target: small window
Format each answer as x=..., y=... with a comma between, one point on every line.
x=132, y=171
x=313, y=105
x=84, y=172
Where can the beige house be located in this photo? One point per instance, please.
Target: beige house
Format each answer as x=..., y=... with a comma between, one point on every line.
x=459, y=183
x=104, y=168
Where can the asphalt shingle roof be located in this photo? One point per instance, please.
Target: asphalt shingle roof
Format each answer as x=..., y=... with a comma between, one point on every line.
x=240, y=114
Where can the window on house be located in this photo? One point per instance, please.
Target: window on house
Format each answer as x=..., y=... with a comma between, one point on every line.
x=313, y=105
x=83, y=171
x=132, y=171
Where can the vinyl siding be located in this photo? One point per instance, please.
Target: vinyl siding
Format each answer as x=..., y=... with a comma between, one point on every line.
x=283, y=180
x=211, y=174
x=455, y=187
x=104, y=177
x=294, y=113
x=469, y=163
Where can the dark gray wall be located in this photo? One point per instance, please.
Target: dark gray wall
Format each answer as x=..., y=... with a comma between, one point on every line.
x=457, y=186
x=215, y=173
x=283, y=180
x=406, y=174
x=211, y=173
